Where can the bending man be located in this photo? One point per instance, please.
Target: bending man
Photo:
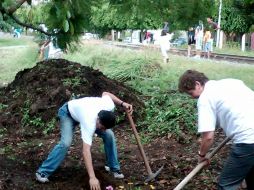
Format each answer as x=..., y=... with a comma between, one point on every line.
x=94, y=114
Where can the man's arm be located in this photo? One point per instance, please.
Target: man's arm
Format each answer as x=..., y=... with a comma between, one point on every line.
x=118, y=101
x=94, y=182
x=206, y=143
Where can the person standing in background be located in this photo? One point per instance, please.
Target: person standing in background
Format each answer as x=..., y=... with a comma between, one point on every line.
x=199, y=33
x=164, y=42
x=191, y=40
x=212, y=27
x=207, y=43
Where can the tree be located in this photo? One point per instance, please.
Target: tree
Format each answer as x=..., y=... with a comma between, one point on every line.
x=66, y=20
x=150, y=14
x=189, y=12
x=237, y=16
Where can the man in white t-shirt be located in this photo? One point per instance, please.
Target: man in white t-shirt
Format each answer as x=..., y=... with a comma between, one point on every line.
x=94, y=115
x=164, y=42
x=227, y=103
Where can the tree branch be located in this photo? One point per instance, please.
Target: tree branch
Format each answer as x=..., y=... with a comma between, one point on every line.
x=13, y=8
x=4, y=11
x=30, y=26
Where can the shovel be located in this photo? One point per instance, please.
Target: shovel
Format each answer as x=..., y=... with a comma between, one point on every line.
x=201, y=165
x=151, y=175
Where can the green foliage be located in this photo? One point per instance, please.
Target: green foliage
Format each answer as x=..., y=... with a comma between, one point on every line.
x=124, y=15
x=49, y=126
x=27, y=119
x=170, y=113
x=25, y=112
x=6, y=23
x=145, y=15
x=72, y=82
x=36, y=121
x=189, y=12
x=3, y=106
x=33, y=14
x=233, y=20
x=231, y=44
x=68, y=18
x=237, y=16
x=133, y=69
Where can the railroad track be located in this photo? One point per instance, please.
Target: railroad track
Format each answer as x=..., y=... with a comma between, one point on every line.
x=219, y=56
x=215, y=56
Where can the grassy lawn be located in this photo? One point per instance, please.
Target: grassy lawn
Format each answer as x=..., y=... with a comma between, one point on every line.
x=230, y=51
x=235, y=51
x=10, y=41
x=148, y=66
x=17, y=58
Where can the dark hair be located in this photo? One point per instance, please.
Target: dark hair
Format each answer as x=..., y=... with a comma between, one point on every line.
x=107, y=118
x=188, y=80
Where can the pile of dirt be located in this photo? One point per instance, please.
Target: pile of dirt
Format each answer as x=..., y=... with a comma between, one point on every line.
x=37, y=93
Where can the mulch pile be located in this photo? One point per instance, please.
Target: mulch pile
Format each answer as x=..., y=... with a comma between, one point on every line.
x=40, y=91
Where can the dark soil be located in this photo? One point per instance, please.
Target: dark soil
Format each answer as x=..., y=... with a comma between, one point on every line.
x=28, y=131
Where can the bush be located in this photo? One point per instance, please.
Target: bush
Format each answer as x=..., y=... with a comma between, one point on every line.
x=170, y=113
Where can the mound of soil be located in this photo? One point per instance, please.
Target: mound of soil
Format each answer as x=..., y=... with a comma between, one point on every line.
x=29, y=130
x=38, y=92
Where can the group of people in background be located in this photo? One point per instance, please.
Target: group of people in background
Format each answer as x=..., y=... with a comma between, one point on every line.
x=201, y=38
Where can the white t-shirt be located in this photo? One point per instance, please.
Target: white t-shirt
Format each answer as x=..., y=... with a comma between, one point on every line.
x=164, y=42
x=85, y=111
x=227, y=103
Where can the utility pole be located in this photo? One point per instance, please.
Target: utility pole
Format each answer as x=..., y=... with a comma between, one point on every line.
x=219, y=21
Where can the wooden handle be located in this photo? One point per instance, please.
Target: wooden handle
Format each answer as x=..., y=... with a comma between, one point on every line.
x=141, y=149
x=201, y=165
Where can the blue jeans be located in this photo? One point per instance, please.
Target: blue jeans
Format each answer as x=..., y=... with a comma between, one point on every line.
x=57, y=155
x=239, y=166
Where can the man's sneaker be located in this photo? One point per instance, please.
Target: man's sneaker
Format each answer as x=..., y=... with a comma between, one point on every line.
x=107, y=168
x=118, y=175
x=41, y=178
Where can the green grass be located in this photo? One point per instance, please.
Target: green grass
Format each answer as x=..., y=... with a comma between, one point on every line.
x=17, y=58
x=234, y=51
x=10, y=41
x=167, y=111
x=147, y=69
x=230, y=51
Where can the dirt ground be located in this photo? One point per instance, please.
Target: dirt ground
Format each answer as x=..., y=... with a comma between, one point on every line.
x=29, y=129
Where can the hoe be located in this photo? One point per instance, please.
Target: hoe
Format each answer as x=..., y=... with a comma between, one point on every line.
x=151, y=175
x=201, y=165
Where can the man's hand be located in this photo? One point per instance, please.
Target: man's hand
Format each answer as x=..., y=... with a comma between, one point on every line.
x=203, y=159
x=94, y=184
x=128, y=107
x=119, y=102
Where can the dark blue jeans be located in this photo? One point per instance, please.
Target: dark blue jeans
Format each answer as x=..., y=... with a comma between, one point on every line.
x=239, y=166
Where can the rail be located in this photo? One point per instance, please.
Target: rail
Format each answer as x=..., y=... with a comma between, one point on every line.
x=177, y=51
